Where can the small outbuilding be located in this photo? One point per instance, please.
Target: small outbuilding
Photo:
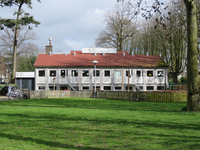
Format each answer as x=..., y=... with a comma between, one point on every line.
x=25, y=80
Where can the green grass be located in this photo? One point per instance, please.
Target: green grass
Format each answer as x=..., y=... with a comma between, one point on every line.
x=72, y=123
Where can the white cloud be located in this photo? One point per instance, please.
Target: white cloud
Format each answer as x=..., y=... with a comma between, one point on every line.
x=75, y=45
x=78, y=20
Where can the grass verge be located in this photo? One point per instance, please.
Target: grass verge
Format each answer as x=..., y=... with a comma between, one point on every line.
x=90, y=124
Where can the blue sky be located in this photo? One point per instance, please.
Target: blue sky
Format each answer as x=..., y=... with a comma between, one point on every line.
x=72, y=24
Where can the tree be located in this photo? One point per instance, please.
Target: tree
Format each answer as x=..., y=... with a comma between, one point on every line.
x=22, y=18
x=24, y=47
x=119, y=27
x=192, y=52
x=26, y=63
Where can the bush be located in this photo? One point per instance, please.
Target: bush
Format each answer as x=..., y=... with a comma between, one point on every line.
x=183, y=79
x=4, y=88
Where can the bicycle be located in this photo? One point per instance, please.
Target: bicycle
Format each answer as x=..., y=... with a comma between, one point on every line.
x=139, y=97
x=15, y=93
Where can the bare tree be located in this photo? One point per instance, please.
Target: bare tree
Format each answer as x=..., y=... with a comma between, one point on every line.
x=24, y=46
x=119, y=27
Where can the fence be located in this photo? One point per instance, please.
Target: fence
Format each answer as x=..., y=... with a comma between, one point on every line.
x=178, y=87
x=115, y=95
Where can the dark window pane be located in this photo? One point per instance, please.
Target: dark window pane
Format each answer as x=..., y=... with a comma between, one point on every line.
x=52, y=73
x=118, y=88
x=74, y=73
x=107, y=73
x=160, y=87
x=150, y=88
x=97, y=73
x=97, y=88
x=85, y=87
x=85, y=73
x=150, y=73
x=107, y=88
x=62, y=73
x=130, y=88
x=41, y=73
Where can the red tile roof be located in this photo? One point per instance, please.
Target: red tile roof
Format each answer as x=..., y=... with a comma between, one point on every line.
x=107, y=60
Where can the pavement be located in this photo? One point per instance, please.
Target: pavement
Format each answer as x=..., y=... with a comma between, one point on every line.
x=3, y=98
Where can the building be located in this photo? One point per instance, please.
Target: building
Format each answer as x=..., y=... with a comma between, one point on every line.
x=76, y=70
x=25, y=80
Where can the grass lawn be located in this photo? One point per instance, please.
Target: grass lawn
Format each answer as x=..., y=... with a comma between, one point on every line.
x=72, y=123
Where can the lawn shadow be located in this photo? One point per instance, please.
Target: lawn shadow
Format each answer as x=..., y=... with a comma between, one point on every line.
x=48, y=143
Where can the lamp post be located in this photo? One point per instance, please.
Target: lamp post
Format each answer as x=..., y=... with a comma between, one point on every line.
x=95, y=62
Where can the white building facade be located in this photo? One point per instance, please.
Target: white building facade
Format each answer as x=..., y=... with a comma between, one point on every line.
x=76, y=71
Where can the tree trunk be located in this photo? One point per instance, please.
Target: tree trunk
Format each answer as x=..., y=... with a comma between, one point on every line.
x=192, y=54
x=15, y=45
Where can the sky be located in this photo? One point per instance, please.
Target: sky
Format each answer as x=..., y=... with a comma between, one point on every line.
x=72, y=24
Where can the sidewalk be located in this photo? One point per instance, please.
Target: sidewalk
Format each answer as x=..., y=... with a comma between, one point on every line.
x=3, y=98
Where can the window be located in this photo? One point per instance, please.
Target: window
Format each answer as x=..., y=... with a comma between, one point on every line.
x=150, y=73
x=97, y=88
x=41, y=73
x=52, y=73
x=41, y=87
x=74, y=73
x=107, y=73
x=85, y=73
x=130, y=88
x=62, y=73
x=85, y=87
x=107, y=88
x=51, y=88
x=118, y=88
x=139, y=73
x=141, y=87
x=160, y=74
x=76, y=87
x=118, y=73
x=127, y=73
x=97, y=73
x=160, y=87
x=150, y=88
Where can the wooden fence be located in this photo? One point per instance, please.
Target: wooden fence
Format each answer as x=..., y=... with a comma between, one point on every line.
x=114, y=95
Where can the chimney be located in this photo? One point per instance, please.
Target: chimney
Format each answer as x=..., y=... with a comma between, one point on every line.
x=49, y=48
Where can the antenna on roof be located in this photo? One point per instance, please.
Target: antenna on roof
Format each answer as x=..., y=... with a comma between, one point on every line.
x=50, y=39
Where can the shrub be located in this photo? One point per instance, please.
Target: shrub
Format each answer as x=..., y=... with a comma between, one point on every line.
x=4, y=88
x=183, y=79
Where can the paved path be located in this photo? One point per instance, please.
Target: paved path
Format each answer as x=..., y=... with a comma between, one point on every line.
x=3, y=98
